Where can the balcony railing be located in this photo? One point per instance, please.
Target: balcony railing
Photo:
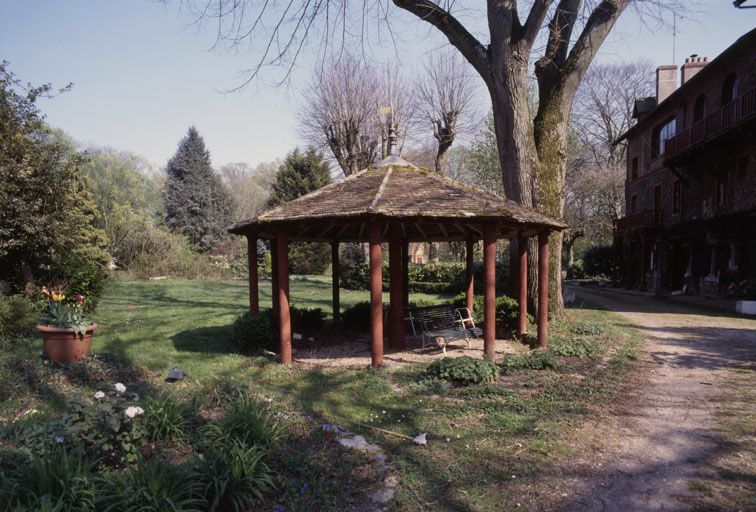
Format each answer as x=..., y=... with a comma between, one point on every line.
x=641, y=220
x=710, y=126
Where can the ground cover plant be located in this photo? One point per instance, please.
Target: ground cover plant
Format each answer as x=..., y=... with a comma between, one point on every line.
x=479, y=434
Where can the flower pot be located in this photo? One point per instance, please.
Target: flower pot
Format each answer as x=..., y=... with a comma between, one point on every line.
x=62, y=345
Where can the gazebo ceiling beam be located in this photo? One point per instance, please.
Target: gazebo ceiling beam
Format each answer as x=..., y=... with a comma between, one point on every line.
x=420, y=229
x=362, y=230
x=443, y=230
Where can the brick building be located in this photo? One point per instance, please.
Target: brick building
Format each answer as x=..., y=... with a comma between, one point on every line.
x=690, y=188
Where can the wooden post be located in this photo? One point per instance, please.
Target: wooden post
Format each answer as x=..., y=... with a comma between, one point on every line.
x=335, y=282
x=470, y=273
x=274, y=278
x=405, y=273
x=376, y=294
x=489, y=297
x=522, y=248
x=254, y=297
x=543, y=290
x=282, y=291
x=396, y=313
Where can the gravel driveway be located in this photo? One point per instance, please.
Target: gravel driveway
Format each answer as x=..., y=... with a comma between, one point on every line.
x=646, y=455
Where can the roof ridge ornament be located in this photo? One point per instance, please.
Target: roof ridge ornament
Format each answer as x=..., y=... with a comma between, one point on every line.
x=392, y=154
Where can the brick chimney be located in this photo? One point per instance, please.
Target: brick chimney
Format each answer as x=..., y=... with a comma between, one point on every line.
x=666, y=82
x=693, y=65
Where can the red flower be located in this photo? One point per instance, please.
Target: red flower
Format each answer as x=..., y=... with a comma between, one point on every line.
x=79, y=298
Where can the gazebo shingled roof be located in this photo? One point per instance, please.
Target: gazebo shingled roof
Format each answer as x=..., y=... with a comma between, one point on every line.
x=396, y=202
x=429, y=206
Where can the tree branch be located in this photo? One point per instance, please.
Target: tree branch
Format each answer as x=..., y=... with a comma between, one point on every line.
x=535, y=20
x=455, y=32
x=599, y=23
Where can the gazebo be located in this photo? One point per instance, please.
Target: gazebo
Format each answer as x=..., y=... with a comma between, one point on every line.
x=396, y=202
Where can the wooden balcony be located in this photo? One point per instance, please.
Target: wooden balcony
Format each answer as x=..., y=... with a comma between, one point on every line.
x=730, y=116
x=647, y=219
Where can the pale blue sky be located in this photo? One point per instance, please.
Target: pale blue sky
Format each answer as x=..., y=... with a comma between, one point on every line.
x=141, y=75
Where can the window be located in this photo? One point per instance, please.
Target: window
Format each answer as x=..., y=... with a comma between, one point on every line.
x=719, y=191
x=699, y=108
x=634, y=169
x=634, y=203
x=729, y=89
x=676, y=196
x=660, y=135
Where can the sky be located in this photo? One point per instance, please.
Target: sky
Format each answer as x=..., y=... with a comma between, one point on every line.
x=143, y=74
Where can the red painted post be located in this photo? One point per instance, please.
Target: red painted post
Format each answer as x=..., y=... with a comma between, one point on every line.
x=543, y=290
x=470, y=273
x=284, y=316
x=405, y=272
x=336, y=301
x=396, y=313
x=376, y=294
x=274, y=278
x=254, y=300
x=489, y=297
x=522, y=247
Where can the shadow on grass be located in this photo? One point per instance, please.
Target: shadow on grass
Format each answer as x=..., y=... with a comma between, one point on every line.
x=208, y=340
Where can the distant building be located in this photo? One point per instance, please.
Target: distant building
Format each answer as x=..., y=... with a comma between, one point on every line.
x=691, y=177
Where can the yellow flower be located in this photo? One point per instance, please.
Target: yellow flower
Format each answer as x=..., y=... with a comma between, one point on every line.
x=58, y=297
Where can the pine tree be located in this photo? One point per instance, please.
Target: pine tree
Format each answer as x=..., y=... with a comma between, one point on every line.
x=300, y=174
x=197, y=203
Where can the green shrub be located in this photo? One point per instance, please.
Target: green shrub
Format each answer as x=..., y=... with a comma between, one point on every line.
x=154, y=487
x=507, y=310
x=164, y=418
x=585, y=329
x=309, y=257
x=357, y=316
x=464, y=370
x=575, y=271
x=232, y=479
x=245, y=420
x=58, y=480
x=538, y=359
x=82, y=272
x=18, y=315
x=573, y=347
x=307, y=320
x=253, y=332
x=598, y=261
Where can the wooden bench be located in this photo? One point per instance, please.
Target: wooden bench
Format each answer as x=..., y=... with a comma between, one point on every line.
x=442, y=324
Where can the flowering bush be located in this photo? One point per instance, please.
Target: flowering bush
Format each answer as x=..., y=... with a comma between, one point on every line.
x=110, y=426
x=68, y=315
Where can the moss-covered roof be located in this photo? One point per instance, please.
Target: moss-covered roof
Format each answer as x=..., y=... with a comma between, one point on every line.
x=421, y=203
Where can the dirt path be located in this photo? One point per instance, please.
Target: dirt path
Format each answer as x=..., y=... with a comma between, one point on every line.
x=644, y=455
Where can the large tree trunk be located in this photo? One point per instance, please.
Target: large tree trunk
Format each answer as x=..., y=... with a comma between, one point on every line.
x=517, y=155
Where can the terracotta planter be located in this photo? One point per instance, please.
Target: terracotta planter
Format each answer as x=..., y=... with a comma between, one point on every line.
x=62, y=345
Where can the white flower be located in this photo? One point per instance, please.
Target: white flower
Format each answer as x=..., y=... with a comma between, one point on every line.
x=120, y=387
x=59, y=439
x=99, y=395
x=132, y=411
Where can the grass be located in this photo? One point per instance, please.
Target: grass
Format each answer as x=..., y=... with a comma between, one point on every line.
x=487, y=443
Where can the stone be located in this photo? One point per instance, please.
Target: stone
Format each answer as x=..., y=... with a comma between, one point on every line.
x=296, y=336
x=420, y=440
x=175, y=374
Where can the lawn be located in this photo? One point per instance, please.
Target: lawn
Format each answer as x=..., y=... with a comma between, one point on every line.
x=489, y=444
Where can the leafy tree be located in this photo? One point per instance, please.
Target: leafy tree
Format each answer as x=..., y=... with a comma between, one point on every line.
x=300, y=174
x=483, y=159
x=197, y=204
x=48, y=220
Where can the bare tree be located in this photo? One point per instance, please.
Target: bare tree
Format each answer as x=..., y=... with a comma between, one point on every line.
x=249, y=185
x=340, y=112
x=444, y=96
x=532, y=148
x=604, y=106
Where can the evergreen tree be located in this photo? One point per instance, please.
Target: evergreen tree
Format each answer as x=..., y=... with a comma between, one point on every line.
x=49, y=230
x=197, y=203
x=300, y=174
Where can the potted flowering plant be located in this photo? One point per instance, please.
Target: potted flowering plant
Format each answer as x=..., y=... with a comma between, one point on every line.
x=66, y=330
